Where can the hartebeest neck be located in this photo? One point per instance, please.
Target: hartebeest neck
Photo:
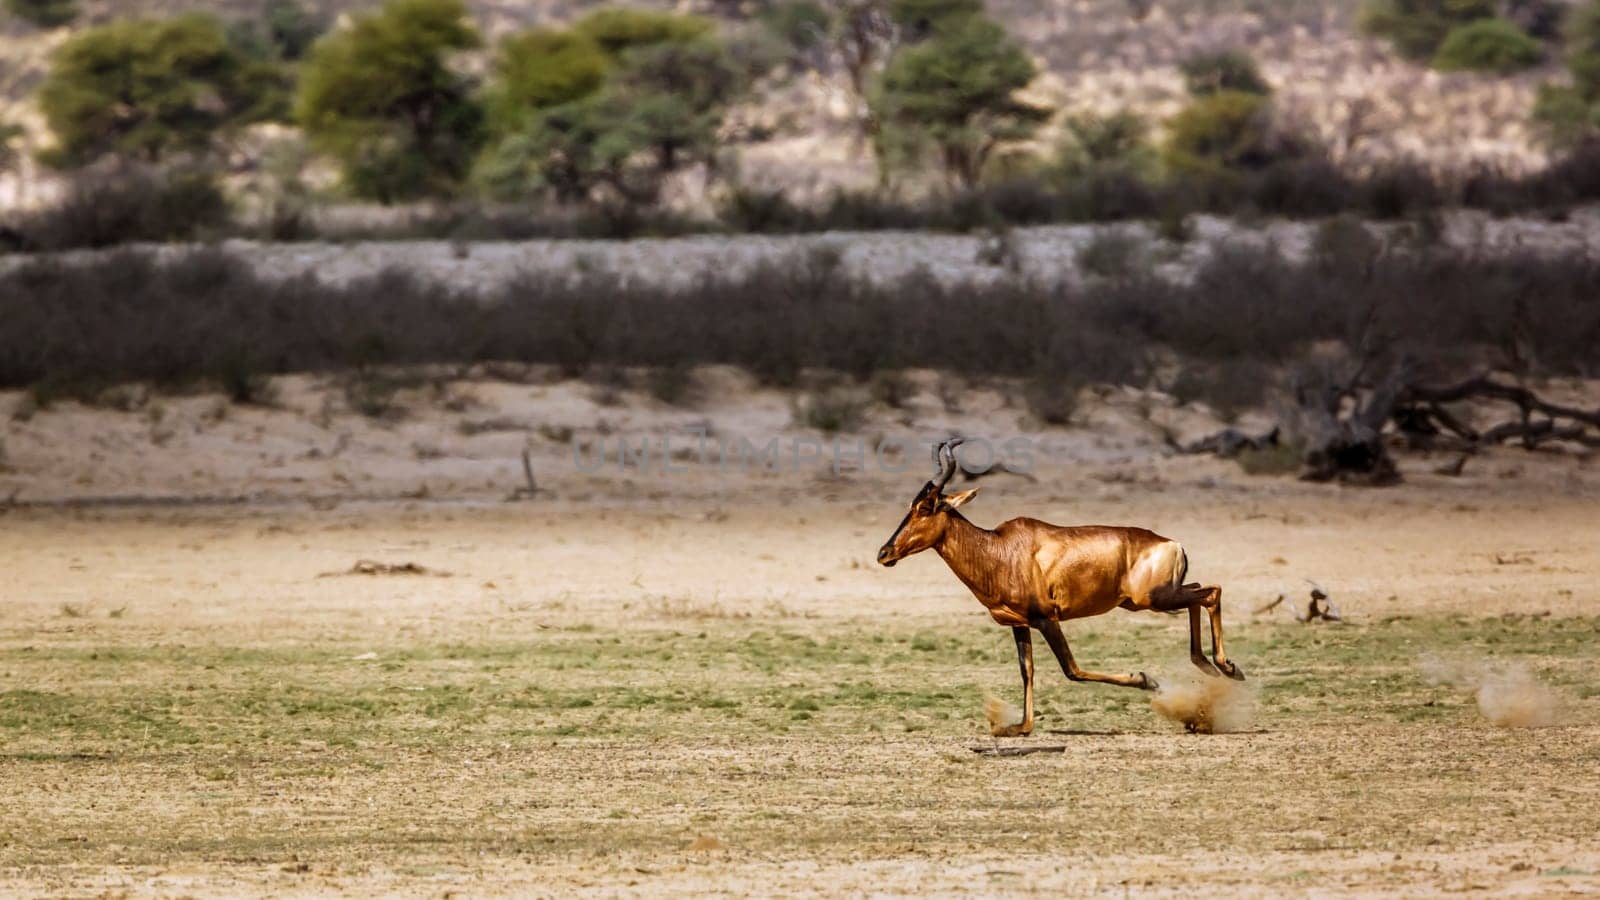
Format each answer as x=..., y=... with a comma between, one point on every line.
x=978, y=557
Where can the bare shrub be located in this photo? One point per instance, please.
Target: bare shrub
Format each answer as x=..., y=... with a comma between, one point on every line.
x=75, y=328
x=1230, y=387
x=831, y=410
x=673, y=384
x=1344, y=243
x=1052, y=397
x=892, y=389
x=106, y=209
x=1114, y=253
x=244, y=383
x=1278, y=459
x=26, y=407
x=373, y=395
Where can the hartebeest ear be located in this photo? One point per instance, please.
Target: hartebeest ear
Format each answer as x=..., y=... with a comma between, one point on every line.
x=956, y=501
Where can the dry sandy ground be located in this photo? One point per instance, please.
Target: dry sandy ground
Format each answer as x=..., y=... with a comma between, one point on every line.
x=1329, y=794
x=699, y=682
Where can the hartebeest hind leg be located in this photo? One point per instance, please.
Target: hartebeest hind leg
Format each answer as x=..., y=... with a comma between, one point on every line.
x=1212, y=601
x=1209, y=597
x=1171, y=598
x=1058, y=644
x=1196, y=654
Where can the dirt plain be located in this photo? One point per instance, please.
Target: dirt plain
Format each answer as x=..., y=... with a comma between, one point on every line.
x=697, y=681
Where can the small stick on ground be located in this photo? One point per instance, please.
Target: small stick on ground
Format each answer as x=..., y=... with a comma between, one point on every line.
x=1263, y=610
x=1018, y=751
x=373, y=567
x=531, y=489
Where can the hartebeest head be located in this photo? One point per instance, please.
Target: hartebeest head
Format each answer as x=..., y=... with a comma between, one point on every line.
x=929, y=516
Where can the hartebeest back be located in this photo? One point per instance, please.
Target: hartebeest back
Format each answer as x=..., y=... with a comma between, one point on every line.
x=1032, y=575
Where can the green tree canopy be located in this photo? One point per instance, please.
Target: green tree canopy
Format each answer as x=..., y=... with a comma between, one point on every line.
x=802, y=24
x=921, y=18
x=541, y=68
x=1093, y=144
x=285, y=31
x=1570, y=114
x=143, y=89
x=1487, y=45
x=10, y=139
x=382, y=98
x=955, y=94
x=1582, y=35
x=659, y=112
x=1226, y=131
x=44, y=13
x=1416, y=28
x=618, y=29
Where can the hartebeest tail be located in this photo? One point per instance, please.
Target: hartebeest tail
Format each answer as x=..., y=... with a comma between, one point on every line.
x=1032, y=575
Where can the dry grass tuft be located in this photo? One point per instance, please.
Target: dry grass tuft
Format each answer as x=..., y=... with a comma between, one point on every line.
x=1206, y=705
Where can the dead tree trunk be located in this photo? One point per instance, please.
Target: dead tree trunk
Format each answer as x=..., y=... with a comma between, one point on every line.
x=1341, y=420
x=1341, y=427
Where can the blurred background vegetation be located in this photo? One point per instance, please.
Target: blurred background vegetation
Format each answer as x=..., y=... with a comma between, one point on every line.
x=149, y=121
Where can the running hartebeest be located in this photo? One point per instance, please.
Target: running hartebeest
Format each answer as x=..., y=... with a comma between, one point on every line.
x=1031, y=574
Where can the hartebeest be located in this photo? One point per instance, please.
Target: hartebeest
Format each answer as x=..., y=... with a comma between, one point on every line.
x=1031, y=574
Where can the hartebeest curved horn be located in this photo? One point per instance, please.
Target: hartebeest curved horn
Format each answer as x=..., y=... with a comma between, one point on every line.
x=944, y=456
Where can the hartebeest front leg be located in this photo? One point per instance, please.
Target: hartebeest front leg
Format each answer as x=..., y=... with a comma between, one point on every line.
x=1058, y=644
x=1024, y=728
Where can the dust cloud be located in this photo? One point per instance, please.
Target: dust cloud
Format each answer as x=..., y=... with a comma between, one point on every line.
x=1206, y=705
x=1508, y=694
x=1001, y=715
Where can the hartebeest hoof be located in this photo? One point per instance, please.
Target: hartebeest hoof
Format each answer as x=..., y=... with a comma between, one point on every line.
x=1231, y=670
x=1014, y=730
x=1205, y=666
x=1149, y=684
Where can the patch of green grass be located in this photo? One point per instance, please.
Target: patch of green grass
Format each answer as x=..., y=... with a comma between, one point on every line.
x=731, y=677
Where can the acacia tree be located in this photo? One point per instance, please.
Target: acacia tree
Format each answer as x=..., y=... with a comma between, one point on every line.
x=10, y=138
x=618, y=29
x=1570, y=114
x=1416, y=28
x=539, y=69
x=608, y=110
x=144, y=89
x=382, y=98
x=44, y=13
x=955, y=93
x=657, y=114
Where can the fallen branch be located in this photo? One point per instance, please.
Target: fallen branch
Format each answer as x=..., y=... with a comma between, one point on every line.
x=1230, y=442
x=1343, y=417
x=1019, y=751
x=531, y=488
x=1319, y=608
x=1420, y=411
x=373, y=567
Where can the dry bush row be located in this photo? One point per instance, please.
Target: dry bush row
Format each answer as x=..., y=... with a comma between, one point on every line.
x=145, y=206
x=76, y=328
